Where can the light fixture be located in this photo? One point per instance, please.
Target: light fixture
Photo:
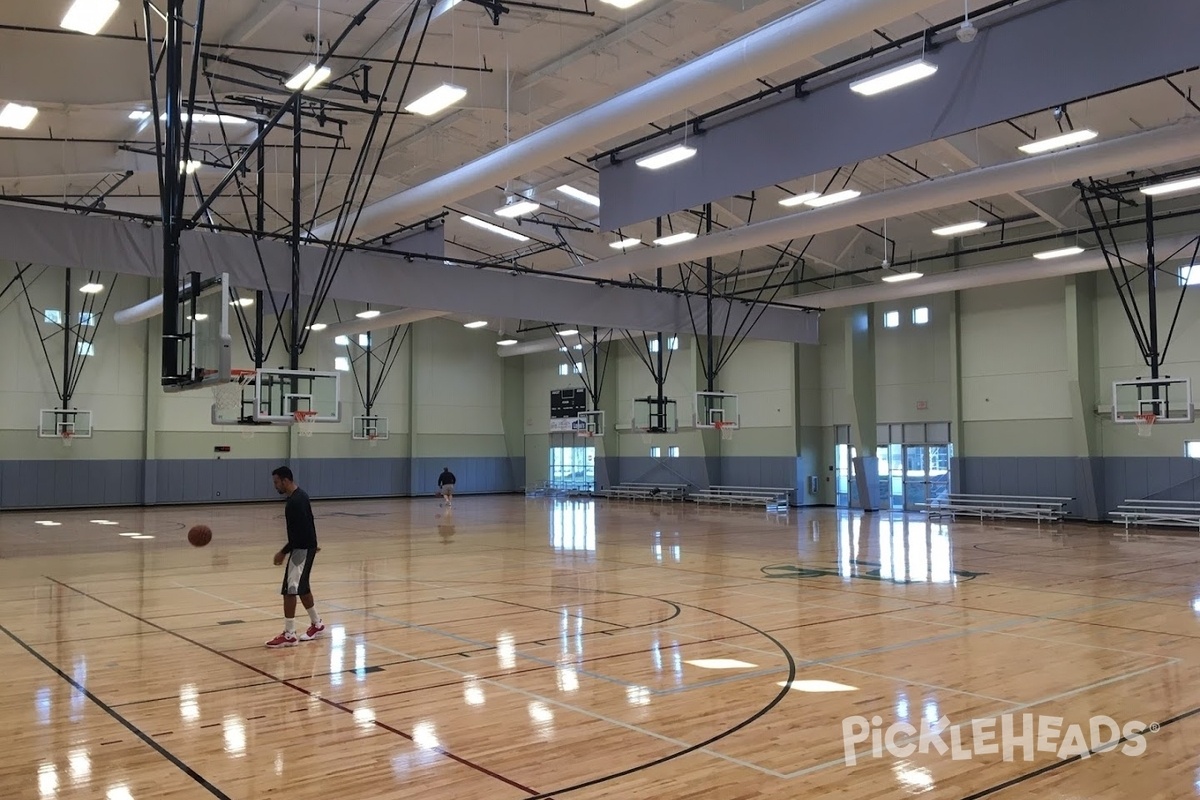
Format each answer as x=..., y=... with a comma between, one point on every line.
x=198, y=317
x=568, y=332
x=47, y=523
x=1061, y=252
x=675, y=238
x=104, y=522
x=370, y=313
x=210, y=119
x=1172, y=187
x=434, y=101
x=830, y=199
x=487, y=226
x=479, y=323
x=92, y=288
x=310, y=78
x=900, y=277
x=625, y=243
x=665, y=158
x=243, y=302
x=1058, y=142
x=139, y=115
x=962, y=227
x=506, y=342
x=190, y=167
x=318, y=326
x=622, y=4
x=799, y=199
x=517, y=209
x=893, y=78
x=17, y=116
x=580, y=195
x=89, y=16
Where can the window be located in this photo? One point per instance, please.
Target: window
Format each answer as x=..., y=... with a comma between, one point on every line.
x=673, y=451
x=52, y=316
x=672, y=344
x=578, y=367
x=656, y=452
x=891, y=319
x=1191, y=449
x=364, y=340
x=920, y=315
x=1189, y=275
x=341, y=364
x=85, y=348
x=344, y=341
x=564, y=369
x=87, y=318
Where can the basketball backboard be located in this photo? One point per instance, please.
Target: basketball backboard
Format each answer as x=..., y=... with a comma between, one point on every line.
x=652, y=415
x=1168, y=399
x=717, y=409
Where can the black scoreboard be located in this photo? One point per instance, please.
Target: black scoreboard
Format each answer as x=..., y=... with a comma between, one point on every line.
x=567, y=402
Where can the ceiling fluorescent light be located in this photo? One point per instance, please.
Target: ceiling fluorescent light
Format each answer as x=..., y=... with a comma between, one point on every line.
x=1065, y=251
x=893, y=78
x=624, y=243
x=622, y=4
x=665, y=158
x=310, y=78
x=487, y=226
x=962, y=227
x=569, y=332
x=675, y=238
x=900, y=277
x=92, y=288
x=1172, y=187
x=830, y=199
x=190, y=166
x=318, y=326
x=17, y=116
x=506, y=342
x=440, y=98
x=580, y=195
x=370, y=313
x=517, y=209
x=1058, y=142
x=243, y=302
x=799, y=199
x=89, y=16
x=199, y=317
x=480, y=323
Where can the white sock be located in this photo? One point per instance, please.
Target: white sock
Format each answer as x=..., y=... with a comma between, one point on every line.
x=314, y=616
x=289, y=625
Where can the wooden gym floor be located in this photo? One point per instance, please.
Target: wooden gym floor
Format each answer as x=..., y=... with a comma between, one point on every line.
x=519, y=648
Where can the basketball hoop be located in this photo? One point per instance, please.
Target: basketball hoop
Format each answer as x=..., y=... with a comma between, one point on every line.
x=228, y=396
x=371, y=439
x=1145, y=423
x=304, y=422
x=725, y=429
x=584, y=433
x=68, y=437
x=646, y=436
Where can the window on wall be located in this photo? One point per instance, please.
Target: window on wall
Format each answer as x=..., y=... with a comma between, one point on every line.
x=85, y=348
x=87, y=318
x=673, y=451
x=341, y=364
x=1191, y=449
x=920, y=315
x=656, y=452
x=52, y=316
x=343, y=341
x=564, y=369
x=1189, y=275
x=672, y=344
x=891, y=319
x=578, y=367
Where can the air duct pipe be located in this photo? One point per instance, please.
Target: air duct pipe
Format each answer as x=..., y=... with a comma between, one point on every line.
x=976, y=277
x=1166, y=145
x=781, y=44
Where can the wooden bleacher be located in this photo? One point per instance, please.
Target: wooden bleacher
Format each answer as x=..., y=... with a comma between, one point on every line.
x=999, y=506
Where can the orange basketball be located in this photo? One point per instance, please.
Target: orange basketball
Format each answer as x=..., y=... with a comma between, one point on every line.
x=200, y=535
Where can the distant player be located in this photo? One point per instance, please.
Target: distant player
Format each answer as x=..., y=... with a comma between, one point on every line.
x=446, y=483
x=299, y=552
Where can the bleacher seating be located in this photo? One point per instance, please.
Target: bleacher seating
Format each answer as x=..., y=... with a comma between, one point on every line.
x=661, y=492
x=1151, y=513
x=773, y=498
x=998, y=506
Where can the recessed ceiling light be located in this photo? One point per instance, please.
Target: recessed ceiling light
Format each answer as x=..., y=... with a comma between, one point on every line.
x=675, y=238
x=580, y=195
x=92, y=288
x=900, y=277
x=310, y=78
x=487, y=226
x=506, y=342
x=799, y=199
x=89, y=16
x=520, y=208
x=622, y=4
x=440, y=98
x=1058, y=142
x=625, y=243
x=17, y=116
x=962, y=227
x=665, y=158
x=1170, y=188
x=243, y=302
x=131, y=533
x=830, y=199
x=893, y=78
x=568, y=332
x=479, y=323
x=1060, y=253
x=48, y=523
x=318, y=326
x=370, y=313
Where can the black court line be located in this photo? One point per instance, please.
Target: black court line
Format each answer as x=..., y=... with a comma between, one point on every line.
x=331, y=703
x=1077, y=757
x=107, y=709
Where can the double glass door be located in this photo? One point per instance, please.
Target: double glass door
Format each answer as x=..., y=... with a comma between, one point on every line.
x=913, y=474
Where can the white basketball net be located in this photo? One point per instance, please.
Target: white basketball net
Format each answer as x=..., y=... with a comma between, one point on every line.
x=304, y=422
x=228, y=396
x=725, y=429
x=1145, y=424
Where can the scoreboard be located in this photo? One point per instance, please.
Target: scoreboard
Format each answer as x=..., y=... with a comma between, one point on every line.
x=567, y=403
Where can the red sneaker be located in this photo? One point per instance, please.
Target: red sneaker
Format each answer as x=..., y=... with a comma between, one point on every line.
x=313, y=632
x=284, y=639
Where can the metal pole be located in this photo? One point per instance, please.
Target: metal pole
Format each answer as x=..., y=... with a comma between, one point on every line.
x=259, y=356
x=659, y=379
x=1152, y=283
x=66, y=354
x=595, y=368
x=294, y=359
x=710, y=367
x=172, y=186
x=261, y=209
x=370, y=389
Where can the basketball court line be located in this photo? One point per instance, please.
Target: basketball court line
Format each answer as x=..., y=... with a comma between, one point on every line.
x=110, y=711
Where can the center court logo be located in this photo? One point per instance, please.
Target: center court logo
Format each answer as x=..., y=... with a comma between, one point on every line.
x=1004, y=735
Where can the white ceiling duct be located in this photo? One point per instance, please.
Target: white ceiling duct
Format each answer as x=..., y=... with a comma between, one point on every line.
x=992, y=275
x=781, y=44
x=1166, y=145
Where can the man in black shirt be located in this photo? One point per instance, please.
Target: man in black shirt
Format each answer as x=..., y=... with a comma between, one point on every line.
x=446, y=483
x=299, y=552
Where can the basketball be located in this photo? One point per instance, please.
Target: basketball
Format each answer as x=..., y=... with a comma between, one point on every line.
x=200, y=535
